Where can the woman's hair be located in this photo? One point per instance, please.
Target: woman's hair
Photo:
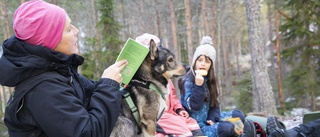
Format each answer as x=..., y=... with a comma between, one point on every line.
x=212, y=84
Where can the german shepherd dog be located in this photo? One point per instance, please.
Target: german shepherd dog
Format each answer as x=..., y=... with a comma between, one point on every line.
x=157, y=68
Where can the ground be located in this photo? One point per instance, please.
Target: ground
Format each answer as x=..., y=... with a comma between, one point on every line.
x=294, y=117
x=290, y=119
x=291, y=122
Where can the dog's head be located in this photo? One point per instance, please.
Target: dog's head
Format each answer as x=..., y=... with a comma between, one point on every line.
x=161, y=64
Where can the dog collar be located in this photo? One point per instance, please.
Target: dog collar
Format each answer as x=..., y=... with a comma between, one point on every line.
x=146, y=84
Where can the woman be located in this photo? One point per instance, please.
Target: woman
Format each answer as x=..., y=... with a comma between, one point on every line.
x=51, y=98
x=199, y=95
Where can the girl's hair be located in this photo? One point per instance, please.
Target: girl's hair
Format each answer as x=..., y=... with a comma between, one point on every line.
x=211, y=83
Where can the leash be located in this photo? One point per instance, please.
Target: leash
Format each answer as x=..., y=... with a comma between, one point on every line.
x=133, y=108
x=149, y=85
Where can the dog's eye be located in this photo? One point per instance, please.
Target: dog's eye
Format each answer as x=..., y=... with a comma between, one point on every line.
x=170, y=59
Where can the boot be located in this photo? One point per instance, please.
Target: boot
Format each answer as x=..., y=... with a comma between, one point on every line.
x=275, y=129
x=294, y=132
x=249, y=129
x=273, y=124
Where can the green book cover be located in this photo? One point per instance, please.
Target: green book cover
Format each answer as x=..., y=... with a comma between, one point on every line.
x=134, y=53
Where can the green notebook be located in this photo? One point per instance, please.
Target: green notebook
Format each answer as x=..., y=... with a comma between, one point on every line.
x=134, y=53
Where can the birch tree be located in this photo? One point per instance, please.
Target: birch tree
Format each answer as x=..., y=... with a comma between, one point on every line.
x=263, y=98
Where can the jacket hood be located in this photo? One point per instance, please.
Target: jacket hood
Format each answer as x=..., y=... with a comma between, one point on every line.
x=21, y=60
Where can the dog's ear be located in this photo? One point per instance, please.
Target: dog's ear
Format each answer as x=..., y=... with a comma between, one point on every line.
x=153, y=50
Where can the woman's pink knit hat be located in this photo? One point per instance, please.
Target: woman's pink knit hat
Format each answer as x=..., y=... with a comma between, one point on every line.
x=146, y=38
x=39, y=23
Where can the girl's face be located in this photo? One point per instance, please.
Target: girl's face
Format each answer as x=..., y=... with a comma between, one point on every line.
x=203, y=63
x=68, y=44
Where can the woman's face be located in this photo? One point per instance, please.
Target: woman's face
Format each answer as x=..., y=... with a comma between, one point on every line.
x=203, y=63
x=68, y=44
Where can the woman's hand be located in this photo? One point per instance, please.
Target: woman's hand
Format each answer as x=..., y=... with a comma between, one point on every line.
x=184, y=113
x=199, y=79
x=114, y=71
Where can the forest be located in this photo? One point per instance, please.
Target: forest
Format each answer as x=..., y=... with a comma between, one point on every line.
x=267, y=50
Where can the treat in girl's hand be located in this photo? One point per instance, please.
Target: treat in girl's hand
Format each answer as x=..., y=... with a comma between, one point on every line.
x=202, y=72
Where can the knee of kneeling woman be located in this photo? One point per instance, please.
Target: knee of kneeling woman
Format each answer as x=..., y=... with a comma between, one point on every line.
x=238, y=113
x=226, y=129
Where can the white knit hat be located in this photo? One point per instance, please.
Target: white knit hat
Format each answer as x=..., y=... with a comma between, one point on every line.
x=206, y=48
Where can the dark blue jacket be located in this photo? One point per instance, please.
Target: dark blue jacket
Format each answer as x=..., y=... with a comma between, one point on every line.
x=51, y=98
x=193, y=100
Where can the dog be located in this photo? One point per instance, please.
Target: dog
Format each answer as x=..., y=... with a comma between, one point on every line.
x=158, y=67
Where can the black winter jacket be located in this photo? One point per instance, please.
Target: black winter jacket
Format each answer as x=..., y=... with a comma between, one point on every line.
x=51, y=98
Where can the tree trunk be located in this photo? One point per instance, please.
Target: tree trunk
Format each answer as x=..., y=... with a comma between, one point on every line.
x=158, y=20
x=174, y=30
x=123, y=18
x=205, y=17
x=2, y=100
x=189, y=31
x=238, y=54
x=95, y=20
x=213, y=22
x=218, y=64
x=263, y=98
x=6, y=20
x=279, y=60
x=97, y=44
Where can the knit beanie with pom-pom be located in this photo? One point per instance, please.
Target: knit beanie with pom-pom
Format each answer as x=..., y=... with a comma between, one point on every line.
x=206, y=48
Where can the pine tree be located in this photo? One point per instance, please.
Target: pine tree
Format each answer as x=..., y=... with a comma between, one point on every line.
x=107, y=46
x=301, y=39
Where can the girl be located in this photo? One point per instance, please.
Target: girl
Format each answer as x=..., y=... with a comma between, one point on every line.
x=175, y=121
x=199, y=95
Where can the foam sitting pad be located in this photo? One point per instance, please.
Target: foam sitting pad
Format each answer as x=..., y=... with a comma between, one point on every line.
x=311, y=116
x=238, y=125
x=262, y=121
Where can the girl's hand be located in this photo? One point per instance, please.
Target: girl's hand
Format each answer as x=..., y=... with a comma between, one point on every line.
x=114, y=71
x=199, y=79
x=184, y=113
x=210, y=122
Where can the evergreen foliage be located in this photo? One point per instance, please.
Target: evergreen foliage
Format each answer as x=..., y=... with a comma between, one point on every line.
x=244, y=95
x=301, y=39
x=104, y=52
